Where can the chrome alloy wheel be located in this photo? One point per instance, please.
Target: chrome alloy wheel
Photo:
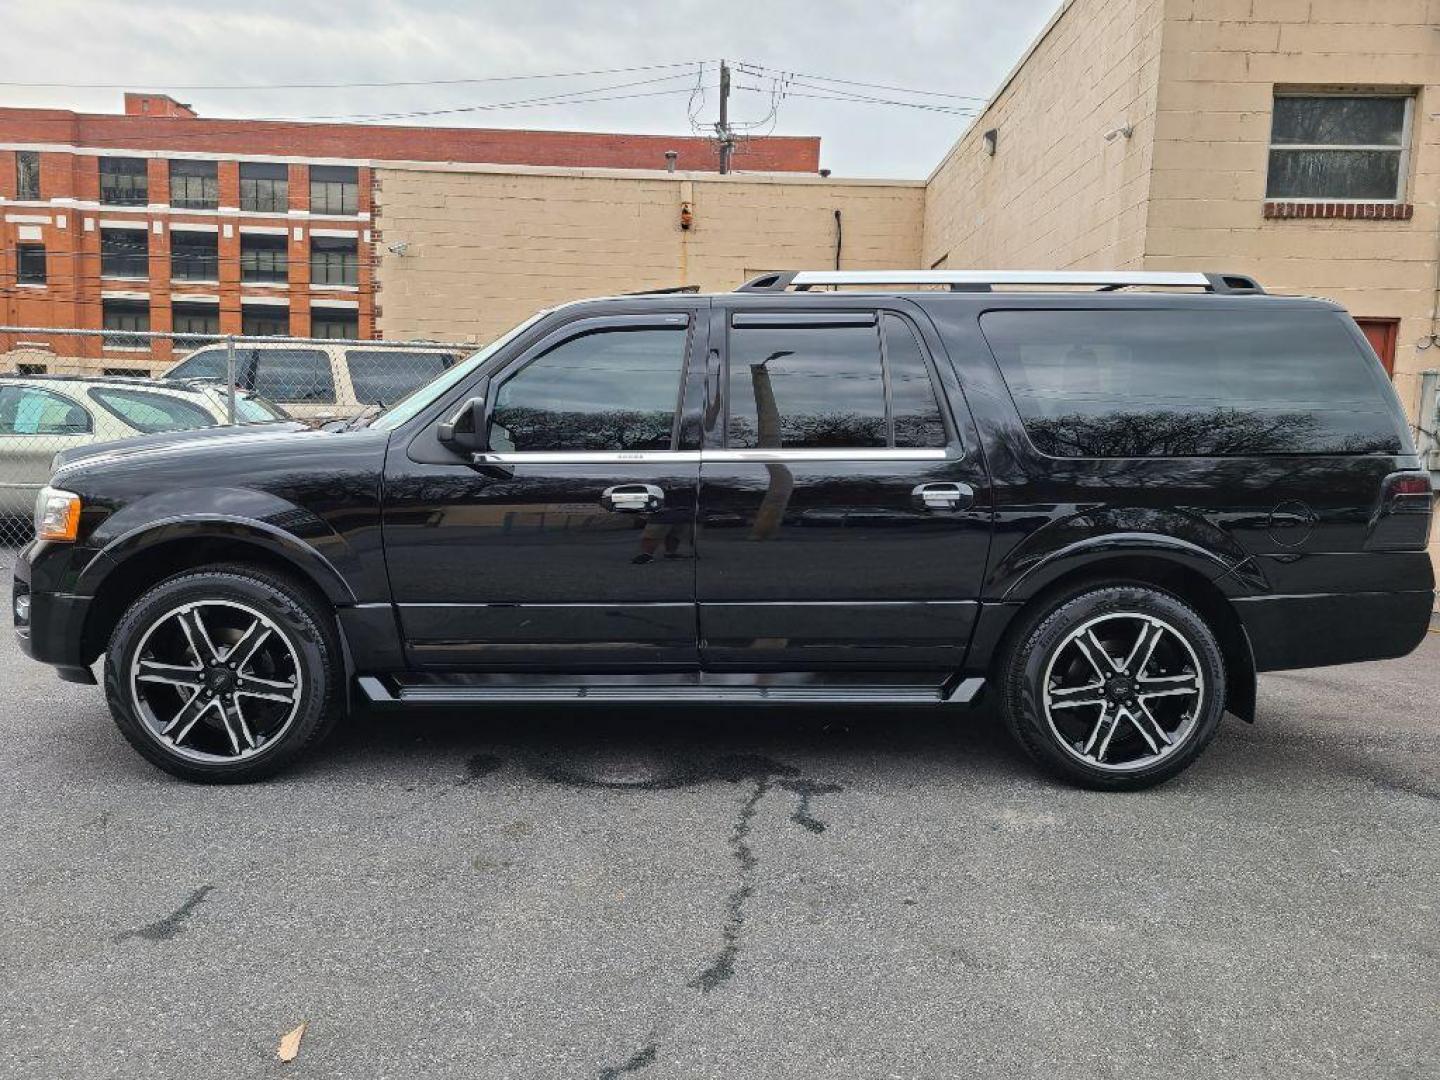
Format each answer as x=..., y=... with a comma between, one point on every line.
x=1123, y=691
x=215, y=681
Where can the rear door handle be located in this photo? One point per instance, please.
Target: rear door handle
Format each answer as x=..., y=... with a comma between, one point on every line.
x=632, y=499
x=943, y=496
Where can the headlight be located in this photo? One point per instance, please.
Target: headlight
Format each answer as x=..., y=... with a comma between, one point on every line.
x=57, y=515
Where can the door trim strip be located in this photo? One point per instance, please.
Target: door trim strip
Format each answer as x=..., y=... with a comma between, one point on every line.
x=694, y=457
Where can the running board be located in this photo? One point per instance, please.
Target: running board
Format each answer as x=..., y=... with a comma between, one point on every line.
x=388, y=690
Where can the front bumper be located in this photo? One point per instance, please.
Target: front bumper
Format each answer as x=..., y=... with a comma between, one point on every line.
x=54, y=630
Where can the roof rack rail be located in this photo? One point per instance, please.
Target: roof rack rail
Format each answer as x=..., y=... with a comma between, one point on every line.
x=985, y=280
x=666, y=291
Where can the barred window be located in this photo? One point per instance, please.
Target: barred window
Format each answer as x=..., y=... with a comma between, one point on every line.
x=124, y=253
x=194, y=256
x=123, y=182
x=264, y=187
x=27, y=175
x=1327, y=147
x=193, y=185
x=334, y=260
x=264, y=257
x=334, y=189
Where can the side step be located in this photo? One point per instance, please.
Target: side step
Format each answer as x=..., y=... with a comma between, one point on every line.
x=600, y=690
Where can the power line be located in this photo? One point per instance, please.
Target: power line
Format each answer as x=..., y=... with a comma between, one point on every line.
x=352, y=85
x=749, y=68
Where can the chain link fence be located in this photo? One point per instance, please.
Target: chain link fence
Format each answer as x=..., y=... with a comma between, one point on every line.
x=62, y=389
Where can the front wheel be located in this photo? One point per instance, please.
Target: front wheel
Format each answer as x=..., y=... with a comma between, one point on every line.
x=224, y=674
x=1117, y=687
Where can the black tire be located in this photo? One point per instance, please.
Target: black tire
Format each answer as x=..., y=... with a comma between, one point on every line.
x=1032, y=654
x=307, y=633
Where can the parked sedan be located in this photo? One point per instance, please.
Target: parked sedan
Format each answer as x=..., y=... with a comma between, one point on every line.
x=40, y=415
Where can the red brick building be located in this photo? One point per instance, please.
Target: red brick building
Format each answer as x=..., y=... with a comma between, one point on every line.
x=163, y=220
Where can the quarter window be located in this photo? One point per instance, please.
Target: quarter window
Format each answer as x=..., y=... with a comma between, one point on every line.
x=193, y=185
x=384, y=376
x=1335, y=148
x=610, y=389
x=150, y=413
x=293, y=375
x=858, y=386
x=24, y=410
x=1189, y=383
x=123, y=182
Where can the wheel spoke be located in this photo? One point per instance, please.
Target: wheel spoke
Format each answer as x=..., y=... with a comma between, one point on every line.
x=240, y=722
x=243, y=651
x=1136, y=723
x=268, y=689
x=197, y=636
x=1144, y=649
x=1105, y=717
x=1144, y=719
x=186, y=719
x=1074, y=697
x=1093, y=651
x=1104, y=747
x=1169, y=686
x=183, y=675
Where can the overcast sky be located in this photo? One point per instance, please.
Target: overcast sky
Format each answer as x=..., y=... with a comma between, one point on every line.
x=961, y=47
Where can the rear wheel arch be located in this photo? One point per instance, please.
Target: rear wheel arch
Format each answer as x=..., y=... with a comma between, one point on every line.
x=1169, y=575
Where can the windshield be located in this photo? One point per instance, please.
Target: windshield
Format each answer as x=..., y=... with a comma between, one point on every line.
x=416, y=401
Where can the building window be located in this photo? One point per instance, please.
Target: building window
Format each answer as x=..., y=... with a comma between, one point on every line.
x=264, y=258
x=334, y=260
x=193, y=185
x=124, y=253
x=1331, y=148
x=27, y=175
x=334, y=189
x=193, y=317
x=123, y=182
x=264, y=188
x=131, y=315
x=335, y=323
x=126, y=372
x=194, y=256
x=30, y=264
x=31, y=369
x=264, y=320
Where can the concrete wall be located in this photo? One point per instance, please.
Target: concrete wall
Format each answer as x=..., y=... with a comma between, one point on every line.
x=483, y=248
x=1056, y=194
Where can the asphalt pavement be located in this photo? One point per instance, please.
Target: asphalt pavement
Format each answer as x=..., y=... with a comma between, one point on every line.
x=698, y=893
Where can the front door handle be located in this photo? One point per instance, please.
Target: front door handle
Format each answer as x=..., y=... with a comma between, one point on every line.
x=632, y=498
x=944, y=496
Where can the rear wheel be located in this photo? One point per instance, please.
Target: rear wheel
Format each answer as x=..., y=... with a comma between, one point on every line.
x=1117, y=687
x=224, y=674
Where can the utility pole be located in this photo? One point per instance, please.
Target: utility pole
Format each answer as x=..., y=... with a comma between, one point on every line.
x=722, y=126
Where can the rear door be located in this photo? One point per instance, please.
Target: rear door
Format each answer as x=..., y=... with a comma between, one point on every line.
x=844, y=511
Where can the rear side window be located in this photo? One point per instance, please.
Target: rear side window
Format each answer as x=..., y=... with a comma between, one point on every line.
x=208, y=364
x=25, y=410
x=289, y=375
x=830, y=387
x=152, y=413
x=1129, y=384
x=384, y=376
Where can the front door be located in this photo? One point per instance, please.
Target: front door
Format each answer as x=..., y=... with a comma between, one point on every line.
x=571, y=546
x=844, y=511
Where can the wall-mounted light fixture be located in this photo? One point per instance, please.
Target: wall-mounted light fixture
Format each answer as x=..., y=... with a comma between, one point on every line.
x=1124, y=131
x=989, y=140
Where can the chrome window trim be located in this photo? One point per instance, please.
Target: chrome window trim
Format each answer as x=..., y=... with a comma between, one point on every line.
x=620, y=457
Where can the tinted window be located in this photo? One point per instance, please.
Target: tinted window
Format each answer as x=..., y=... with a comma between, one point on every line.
x=1190, y=383
x=27, y=411
x=913, y=404
x=290, y=375
x=606, y=390
x=209, y=364
x=152, y=412
x=387, y=375
x=806, y=387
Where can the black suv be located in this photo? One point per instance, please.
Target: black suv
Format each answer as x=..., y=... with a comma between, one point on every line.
x=1107, y=507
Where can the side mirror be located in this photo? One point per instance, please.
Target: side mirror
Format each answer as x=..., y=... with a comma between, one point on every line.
x=467, y=431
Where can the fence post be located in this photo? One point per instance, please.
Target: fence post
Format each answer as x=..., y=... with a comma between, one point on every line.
x=230, y=379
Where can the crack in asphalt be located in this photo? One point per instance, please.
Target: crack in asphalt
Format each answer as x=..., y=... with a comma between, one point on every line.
x=173, y=924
